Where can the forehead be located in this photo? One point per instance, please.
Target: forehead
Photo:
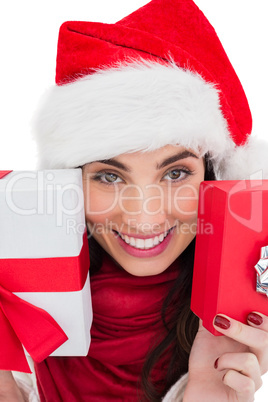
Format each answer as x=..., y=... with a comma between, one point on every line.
x=155, y=156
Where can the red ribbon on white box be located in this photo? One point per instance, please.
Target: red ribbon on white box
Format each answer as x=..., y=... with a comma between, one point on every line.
x=3, y=173
x=24, y=324
x=57, y=274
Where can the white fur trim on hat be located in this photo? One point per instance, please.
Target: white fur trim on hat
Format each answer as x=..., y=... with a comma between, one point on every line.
x=140, y=106
x=244, y=162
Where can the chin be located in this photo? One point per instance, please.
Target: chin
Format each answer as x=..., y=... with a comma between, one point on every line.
x=142, y=267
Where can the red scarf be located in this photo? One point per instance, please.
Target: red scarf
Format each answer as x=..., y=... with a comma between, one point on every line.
x=126, y=325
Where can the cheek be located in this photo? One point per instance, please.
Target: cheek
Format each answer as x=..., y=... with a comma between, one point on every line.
x=100, y=206
x=185, y=203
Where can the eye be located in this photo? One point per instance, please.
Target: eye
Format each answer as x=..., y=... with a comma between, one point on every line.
x=110, y=177
x=177, y=174
x=107, y=178
x=174, y=174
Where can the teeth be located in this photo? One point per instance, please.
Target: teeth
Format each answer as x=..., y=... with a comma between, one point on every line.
x=156, y=241
x=139, y=243
x=144, y=244
x=148, y=243
x=132, y=241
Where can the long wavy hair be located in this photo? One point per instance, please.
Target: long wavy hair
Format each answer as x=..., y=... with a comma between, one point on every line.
x=179, y=321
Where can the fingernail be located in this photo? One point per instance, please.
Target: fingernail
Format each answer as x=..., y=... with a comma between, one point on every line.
x=222, y=322
x=216, y=363
x=255, y=318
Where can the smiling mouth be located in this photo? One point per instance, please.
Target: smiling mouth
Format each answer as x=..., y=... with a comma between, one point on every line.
x=143, y=244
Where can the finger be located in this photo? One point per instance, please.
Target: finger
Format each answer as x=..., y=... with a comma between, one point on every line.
x=258, y=320
x=255, y=339
x=244, y=363
x=241, y=384
x=245, y=334
x=6, y=378
x=9, y=390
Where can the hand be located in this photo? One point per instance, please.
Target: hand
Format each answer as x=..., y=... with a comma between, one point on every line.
x=228, y=368
x=9, y=391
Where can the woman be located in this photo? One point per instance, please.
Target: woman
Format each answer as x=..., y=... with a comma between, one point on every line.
x=149, y=107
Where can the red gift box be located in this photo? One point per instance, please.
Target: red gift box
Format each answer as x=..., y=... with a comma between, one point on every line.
x=232, y=228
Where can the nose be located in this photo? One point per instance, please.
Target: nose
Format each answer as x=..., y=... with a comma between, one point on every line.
x=143, y=207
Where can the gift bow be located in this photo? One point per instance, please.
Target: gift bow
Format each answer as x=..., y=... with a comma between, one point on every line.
x=24, y=324
x=262, y=272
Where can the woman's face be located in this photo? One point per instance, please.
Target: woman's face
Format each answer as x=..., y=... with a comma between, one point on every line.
x=142, y=207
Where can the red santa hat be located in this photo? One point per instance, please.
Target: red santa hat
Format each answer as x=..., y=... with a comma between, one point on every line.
x=159, y=76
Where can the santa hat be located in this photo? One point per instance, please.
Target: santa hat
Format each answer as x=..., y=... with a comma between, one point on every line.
x=159, y=76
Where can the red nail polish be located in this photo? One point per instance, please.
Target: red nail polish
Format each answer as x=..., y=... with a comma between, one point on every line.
x=222, y=322
x=255, y=318
x=216, y=363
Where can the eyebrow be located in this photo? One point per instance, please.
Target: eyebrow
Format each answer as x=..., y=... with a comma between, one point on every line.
x=166, y=162
x=115, y=163
x=175, y=158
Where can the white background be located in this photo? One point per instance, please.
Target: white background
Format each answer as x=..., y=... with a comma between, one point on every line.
x=28, y=37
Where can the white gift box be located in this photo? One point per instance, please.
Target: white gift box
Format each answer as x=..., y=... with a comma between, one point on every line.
x=42, y=217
